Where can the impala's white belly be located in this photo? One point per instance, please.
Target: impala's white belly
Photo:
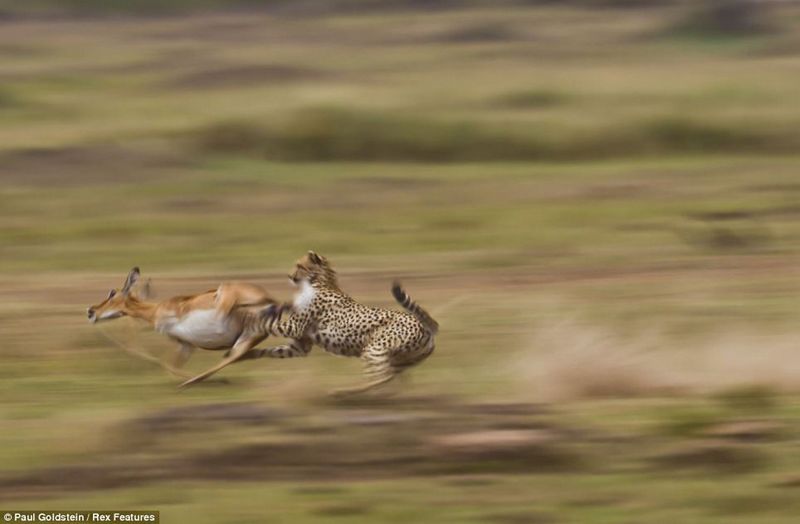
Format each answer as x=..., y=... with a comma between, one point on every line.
x=205, y=328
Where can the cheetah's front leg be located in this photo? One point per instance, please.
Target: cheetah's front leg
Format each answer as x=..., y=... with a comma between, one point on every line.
x=295, y=348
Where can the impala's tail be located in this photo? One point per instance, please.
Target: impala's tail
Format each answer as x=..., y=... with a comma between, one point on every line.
x=415, y=309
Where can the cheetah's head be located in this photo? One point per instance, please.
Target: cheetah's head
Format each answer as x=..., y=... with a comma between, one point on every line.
x=315, y=269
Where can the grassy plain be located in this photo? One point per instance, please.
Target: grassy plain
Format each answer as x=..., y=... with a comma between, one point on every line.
x=601, y=212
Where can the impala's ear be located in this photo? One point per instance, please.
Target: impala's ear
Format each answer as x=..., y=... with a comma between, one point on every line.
x=144, y=291
x=133, y=277
x=315, y=258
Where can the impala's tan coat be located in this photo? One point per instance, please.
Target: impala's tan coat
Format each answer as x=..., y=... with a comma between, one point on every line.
x=217, y=319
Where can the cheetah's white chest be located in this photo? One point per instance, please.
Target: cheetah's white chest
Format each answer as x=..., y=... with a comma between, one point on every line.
x=304, y=297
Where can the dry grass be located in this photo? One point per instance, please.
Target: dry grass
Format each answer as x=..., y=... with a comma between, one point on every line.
x=577, y=360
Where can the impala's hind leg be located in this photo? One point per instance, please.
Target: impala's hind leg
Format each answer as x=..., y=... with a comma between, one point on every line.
x=230, y=296
x=242, y=346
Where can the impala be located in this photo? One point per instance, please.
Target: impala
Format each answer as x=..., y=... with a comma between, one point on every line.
x=219, y=319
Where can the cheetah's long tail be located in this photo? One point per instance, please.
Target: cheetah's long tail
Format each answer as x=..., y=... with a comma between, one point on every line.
x=415, y=309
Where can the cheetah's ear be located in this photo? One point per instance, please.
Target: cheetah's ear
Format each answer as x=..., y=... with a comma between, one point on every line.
x=315, y=258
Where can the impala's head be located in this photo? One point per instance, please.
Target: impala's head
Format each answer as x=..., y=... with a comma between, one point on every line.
x=115, y=305
x=314, y=268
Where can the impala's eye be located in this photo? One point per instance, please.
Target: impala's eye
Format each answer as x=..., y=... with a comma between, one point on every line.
x=112, y=293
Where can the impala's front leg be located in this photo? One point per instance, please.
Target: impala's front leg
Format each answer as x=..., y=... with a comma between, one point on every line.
x=246, y=342
x=181, y=357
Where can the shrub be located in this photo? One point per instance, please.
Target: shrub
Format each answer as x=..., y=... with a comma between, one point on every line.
x=532, y=99
x=339, y=134
x=726, y=18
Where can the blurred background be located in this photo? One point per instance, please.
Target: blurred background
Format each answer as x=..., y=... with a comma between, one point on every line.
x=597, y=200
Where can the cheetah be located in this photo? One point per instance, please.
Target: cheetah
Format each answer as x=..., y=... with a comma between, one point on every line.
x=387, y=341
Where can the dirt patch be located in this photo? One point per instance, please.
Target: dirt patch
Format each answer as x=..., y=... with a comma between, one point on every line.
x=191, y=416
x=490, y=32
x=71, y=478
x=510, y=450
x=746, y=431
x=521, y=518
x=246, y=76
x=343, y=510
x=791, y=481
x=712, y=456
x=413, y=439
x=95, y=164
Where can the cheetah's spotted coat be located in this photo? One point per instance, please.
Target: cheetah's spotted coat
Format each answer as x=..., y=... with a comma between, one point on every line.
x=387, y=341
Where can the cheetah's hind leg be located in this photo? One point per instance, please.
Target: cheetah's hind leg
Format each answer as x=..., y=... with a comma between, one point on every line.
x=347, y=392
x=377, y=364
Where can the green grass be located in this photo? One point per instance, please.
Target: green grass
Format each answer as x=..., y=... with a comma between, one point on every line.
x=603, y=220
x=591, y=499
x=335, y=134
x=221, y=214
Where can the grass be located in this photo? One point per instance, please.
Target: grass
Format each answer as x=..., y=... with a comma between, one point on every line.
x=522, y=246
x=336, y=134
x=602, y=219
x=525, y=498
x=611, y=208
x=533, y=99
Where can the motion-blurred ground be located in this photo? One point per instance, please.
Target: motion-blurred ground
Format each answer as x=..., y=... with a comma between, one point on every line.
x=597, y=200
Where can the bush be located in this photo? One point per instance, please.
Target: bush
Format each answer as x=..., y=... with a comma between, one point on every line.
x=532, y=99
x=681, y=134
x=726, y=18
x=231, y=137
x=753, y=399
x=337, y=134
x=331, y=134
x=8, y=99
